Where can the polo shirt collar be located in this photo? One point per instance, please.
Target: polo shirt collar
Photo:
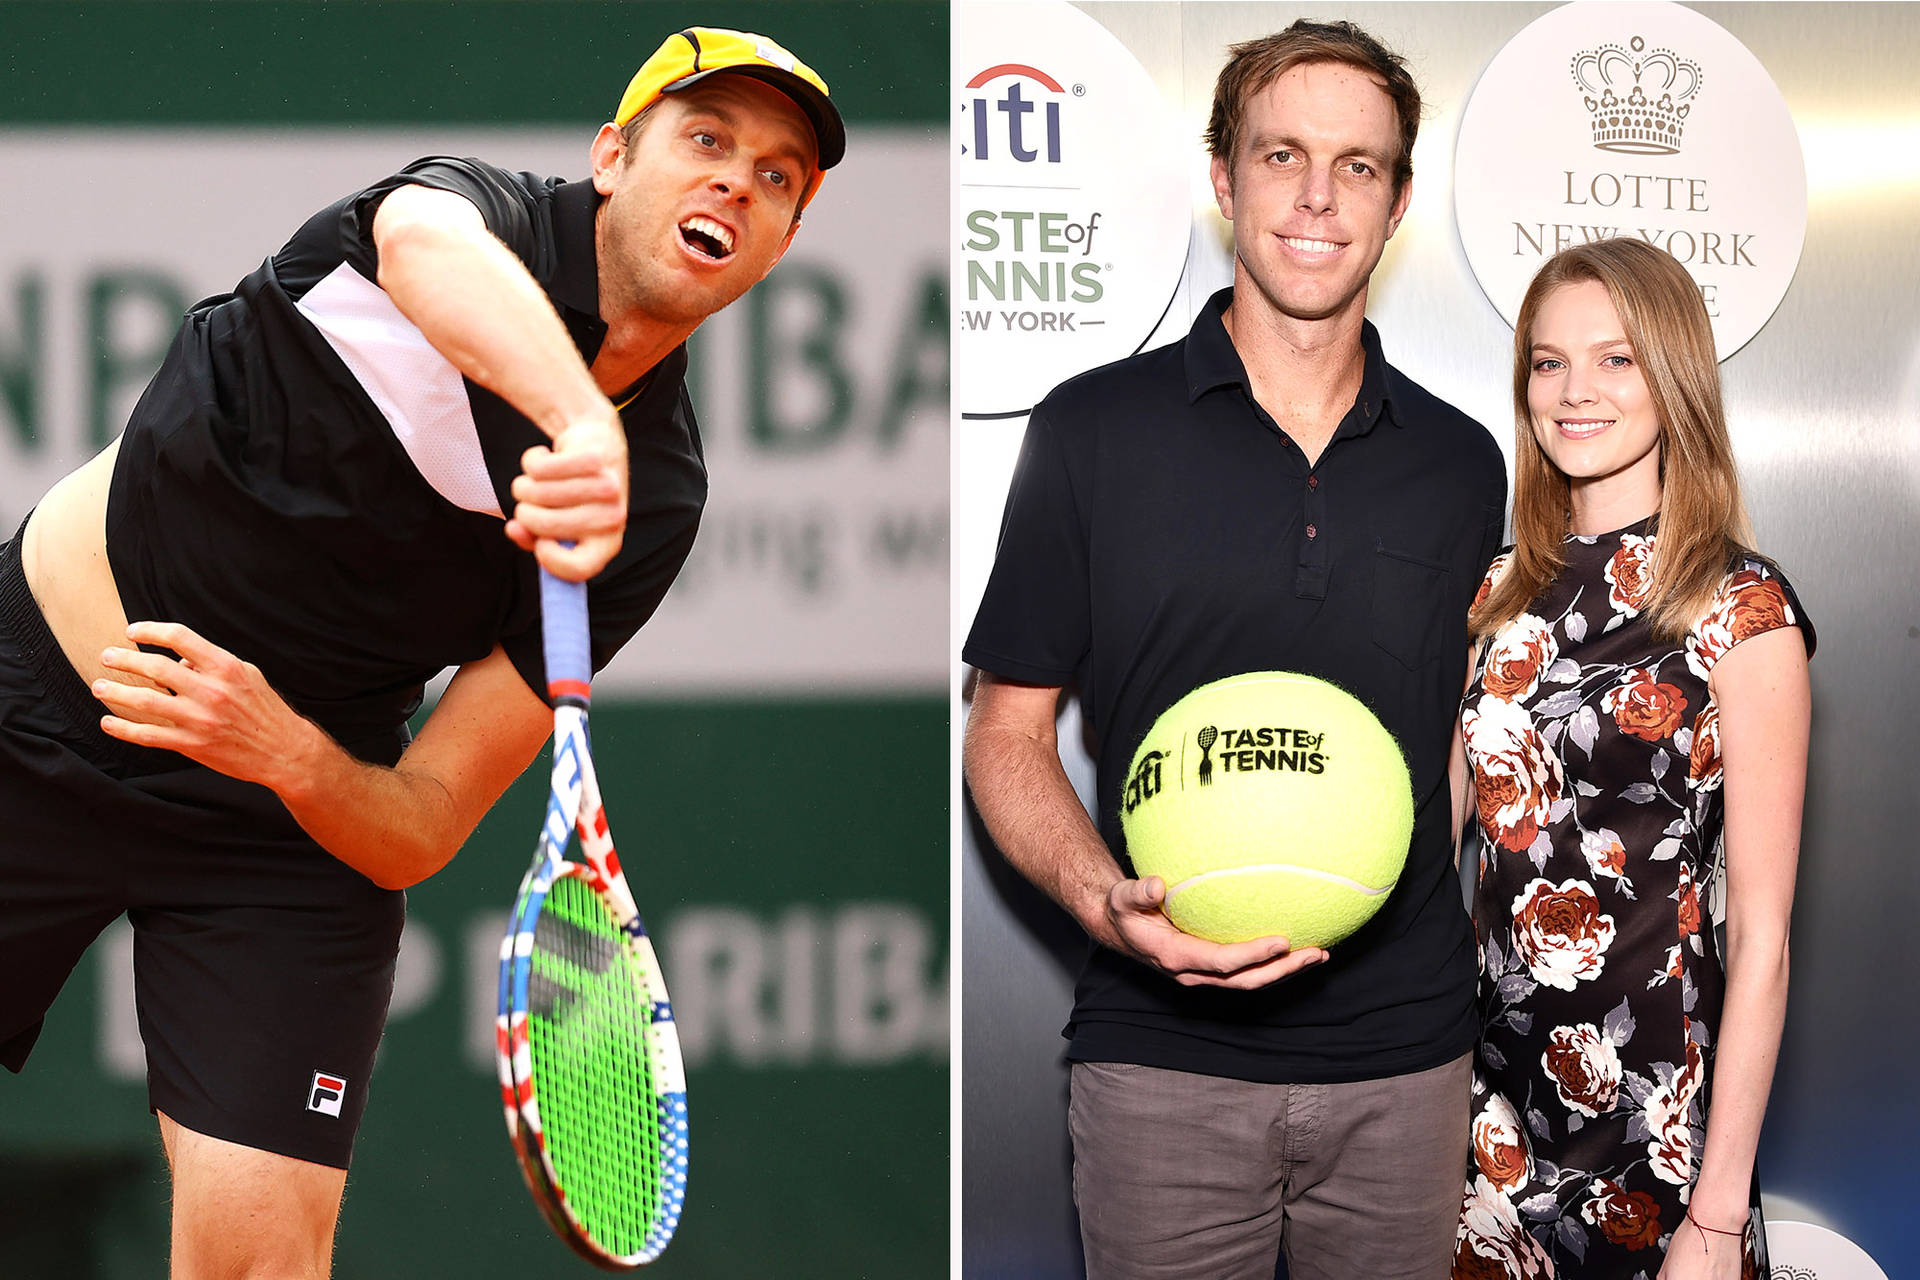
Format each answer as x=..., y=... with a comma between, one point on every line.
x=1213, y=363
x=575, y=285
x=576, y=271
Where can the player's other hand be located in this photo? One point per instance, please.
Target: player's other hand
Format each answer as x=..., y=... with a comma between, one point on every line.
x=575, y=492
x=1144, y=932
x=206, y=704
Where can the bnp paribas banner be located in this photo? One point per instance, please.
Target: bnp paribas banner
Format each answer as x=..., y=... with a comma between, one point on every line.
x=773, y=745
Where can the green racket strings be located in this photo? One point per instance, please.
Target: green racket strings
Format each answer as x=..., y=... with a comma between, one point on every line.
x=588, y=1010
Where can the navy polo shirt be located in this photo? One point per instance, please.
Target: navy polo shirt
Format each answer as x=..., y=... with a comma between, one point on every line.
x=1162, y=532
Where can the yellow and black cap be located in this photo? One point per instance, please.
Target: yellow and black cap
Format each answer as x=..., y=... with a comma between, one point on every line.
x=690, y=56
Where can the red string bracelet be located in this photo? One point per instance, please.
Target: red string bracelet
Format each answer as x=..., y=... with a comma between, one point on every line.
x=1704, y=1227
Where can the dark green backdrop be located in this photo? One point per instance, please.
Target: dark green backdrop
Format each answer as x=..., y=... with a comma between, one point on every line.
x=309, y=62
x=819, y=1168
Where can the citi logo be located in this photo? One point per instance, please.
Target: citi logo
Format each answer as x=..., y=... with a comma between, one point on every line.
x=1145, y=783
x=325, y=1093
x=1028, y=137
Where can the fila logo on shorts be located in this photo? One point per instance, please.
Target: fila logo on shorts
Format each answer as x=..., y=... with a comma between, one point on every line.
x=326, y=1093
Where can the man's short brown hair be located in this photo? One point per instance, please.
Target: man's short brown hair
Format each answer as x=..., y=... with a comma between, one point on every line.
x=1252, y=65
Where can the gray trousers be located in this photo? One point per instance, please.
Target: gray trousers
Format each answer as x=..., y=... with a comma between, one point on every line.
x=1180, y=1176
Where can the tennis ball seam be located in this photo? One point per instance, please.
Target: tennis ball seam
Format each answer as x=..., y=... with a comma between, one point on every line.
x=1332, y=877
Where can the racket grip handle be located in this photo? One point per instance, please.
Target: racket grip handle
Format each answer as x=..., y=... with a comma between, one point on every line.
x=563, y=630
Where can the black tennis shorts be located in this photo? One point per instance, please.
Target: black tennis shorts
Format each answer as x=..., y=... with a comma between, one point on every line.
x=262, y=964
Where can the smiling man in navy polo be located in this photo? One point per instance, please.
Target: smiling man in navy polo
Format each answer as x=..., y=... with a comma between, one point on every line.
x=1268, y=493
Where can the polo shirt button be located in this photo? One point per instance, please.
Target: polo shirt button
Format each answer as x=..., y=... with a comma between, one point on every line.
x=1312, y=532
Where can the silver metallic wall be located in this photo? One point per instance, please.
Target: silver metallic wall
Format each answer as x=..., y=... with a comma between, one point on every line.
x=1825, y=407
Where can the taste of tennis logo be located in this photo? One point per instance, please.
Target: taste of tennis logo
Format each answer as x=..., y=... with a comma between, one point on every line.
x=1647, y=120
x=1267, y=747
x=1025, y=256
x=1070, y=211
x=1242, y=749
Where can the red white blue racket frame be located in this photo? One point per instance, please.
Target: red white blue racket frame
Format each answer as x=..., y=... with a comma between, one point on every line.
x=574, y=805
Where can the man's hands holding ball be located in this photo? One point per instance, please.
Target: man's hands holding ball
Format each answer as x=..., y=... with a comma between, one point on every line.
x=1140, y=929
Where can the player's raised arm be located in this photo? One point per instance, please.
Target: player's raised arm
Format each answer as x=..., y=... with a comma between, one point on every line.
x=476, y=303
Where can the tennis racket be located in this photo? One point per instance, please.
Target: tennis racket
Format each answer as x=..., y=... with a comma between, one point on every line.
x=590, y=1071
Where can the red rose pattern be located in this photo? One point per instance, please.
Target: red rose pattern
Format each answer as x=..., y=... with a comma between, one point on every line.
x=1499, y=1147
x=1494, y=570
x=1605, y=855
x=1758, y=605
x=1470, y=1264
x=1631, y=1219
x=1703, y=761
x=1644, y=707
x=1631, y=574
x=1491, y=1241
x=1584, y=1067
x=1595, y=754
x=1516, y=776
x=1748, y=604
x=1559, y=931
x=1523, y=649
x=1670, y=1150
x=1689, y=899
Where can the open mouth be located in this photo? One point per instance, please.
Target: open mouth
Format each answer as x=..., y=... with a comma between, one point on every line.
x=707, y=238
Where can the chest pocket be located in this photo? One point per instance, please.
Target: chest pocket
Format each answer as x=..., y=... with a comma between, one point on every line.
x=1409, y=605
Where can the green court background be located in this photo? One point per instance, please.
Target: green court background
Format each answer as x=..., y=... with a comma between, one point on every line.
x=823, y=1169
x=817, y=823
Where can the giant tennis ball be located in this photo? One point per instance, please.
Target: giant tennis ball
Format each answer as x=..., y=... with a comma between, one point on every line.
x=1269, y=803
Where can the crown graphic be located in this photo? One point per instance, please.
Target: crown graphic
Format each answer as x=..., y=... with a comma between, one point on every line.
x=1637, y=100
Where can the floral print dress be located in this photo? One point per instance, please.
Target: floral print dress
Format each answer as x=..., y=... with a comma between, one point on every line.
x=1596, y=765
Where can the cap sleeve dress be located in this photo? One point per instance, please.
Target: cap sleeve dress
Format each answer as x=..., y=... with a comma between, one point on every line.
x=1596, y=765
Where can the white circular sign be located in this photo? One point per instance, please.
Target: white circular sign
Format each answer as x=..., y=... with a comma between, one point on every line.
x=1642, y=119
x=1070, y=209
x=1802, y=1251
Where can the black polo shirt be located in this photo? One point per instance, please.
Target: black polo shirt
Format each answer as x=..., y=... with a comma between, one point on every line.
x=309, y=484
x=1162, y=532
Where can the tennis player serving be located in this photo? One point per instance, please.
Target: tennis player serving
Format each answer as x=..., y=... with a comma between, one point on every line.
x=213, y=634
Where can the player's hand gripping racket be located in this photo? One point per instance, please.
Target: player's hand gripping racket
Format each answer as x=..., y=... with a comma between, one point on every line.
x=590, y=1072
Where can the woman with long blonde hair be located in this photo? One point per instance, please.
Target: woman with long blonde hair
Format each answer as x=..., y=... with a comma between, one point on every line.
x=1635, y=728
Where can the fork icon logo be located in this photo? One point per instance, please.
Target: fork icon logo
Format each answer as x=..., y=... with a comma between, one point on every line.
x=1206, y=738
